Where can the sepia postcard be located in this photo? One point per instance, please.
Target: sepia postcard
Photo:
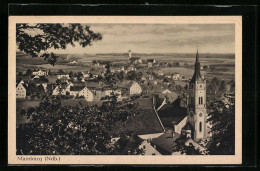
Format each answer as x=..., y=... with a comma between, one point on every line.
x=125, y=90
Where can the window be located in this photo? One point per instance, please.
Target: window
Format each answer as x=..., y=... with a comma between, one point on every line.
x=200, y=100
x=200, y=126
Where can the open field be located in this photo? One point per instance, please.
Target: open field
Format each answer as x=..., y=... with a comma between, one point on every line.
x=224, y=64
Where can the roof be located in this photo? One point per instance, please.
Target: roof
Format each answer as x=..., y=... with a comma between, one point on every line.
x=51, y=78
x=166, y=141
x=76, y=88
x=150, y=60
x=197, y=75
x=171, y=113
x=91, y=84
x=60, y=72
x=126, y=84
x=179, y=102
x=158, y=88
x=143, y=122
x=96, y=72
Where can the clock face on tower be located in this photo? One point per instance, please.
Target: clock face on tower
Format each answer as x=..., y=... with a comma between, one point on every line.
x=200, y=114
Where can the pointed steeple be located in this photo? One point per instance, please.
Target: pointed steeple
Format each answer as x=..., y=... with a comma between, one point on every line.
x=196, y=76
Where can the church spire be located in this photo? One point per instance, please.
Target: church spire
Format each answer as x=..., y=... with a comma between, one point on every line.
x=196, y=76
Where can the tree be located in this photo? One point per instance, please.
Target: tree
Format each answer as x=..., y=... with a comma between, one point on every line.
x=214, y=85
x=57, y=129
x=49, y=73
x=190, y=150
x=40, y=91
x=75, y=130
x=20, y=74
x=232, y=85
x=223, y=86
x=222, y=119
x=57, y=36
x=71, y=74
x=28, y=72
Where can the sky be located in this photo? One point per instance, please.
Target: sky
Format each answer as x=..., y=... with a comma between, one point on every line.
x=160, y=38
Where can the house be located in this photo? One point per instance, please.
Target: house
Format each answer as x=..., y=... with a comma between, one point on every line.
x=85, y=75
x=151, y=60
x=66, y=76
x=173, y=115
x=40, y=72
x=62, y=89
x=126, y=145
x=145, y=123
x=135, y=88
x=21, y=90
x=74, y=90
x=135, y=60
x=131, y=68
x=175, y=76
x=87, y=93
x=130, y=88
x=166, y=143
x=95, y=73
x=74, y=62
x=150, y=64
x=151, y=77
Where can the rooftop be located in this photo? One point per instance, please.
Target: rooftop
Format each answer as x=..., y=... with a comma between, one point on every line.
x=144, y=122
x=167, y=141
x=172, y=113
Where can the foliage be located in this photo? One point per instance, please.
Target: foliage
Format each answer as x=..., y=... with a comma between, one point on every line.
x=57, y=129
x=190, y=150
x=222, y=119
x=57, y=36
x=186, y=149
x=75, y=130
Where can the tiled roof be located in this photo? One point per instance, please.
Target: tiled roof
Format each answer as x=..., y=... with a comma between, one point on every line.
x=125, y=84
x=144, y=122
x=167, y=141
x=171, y=113
x=76, y=88
x=158, y=88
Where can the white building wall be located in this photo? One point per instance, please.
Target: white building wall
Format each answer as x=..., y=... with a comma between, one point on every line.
x=20, y=91
x=88, y=94
x=135, y=89
x=150, y=136
x=178, y=128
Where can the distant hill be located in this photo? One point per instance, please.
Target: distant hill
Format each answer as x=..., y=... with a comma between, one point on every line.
x=184, y=55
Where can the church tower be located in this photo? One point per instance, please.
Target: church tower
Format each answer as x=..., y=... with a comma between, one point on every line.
x=129, y=54
x=196, y=103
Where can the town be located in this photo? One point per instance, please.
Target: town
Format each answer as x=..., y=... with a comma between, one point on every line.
x=174, y=107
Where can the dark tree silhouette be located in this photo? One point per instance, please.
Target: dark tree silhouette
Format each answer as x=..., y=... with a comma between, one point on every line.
x=223, y=128
x=57, y=36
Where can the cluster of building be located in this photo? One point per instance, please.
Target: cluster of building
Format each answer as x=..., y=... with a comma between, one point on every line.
x=164, y=125
x=165, y=120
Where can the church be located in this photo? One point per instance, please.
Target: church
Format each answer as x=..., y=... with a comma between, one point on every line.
x=177, y=122
x=196, y=104
x=185, y=118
